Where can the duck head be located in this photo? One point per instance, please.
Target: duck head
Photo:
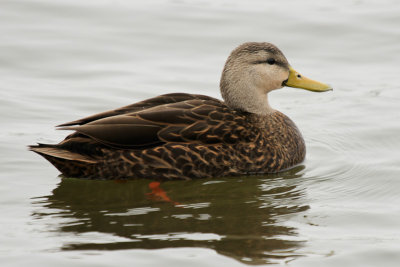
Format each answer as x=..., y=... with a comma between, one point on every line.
x=253, y=70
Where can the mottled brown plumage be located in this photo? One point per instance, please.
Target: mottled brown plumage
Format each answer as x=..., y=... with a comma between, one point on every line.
x=186, y=136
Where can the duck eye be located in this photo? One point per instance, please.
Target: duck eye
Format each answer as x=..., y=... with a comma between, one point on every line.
x=271, y=61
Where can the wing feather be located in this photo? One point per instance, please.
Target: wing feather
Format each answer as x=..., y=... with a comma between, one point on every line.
x=142, y=105
x=192, y=120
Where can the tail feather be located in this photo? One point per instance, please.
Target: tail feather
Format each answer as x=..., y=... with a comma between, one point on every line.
x=53, y=151
x=76, y=156
x=70, y=164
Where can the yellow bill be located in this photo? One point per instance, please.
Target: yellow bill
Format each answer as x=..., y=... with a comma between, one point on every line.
x=299, y=81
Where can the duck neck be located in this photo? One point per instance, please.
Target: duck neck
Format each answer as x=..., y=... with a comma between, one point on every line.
x=259, y=104
x=249, y=100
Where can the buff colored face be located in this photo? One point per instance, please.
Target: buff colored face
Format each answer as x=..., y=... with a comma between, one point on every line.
x=271, y=70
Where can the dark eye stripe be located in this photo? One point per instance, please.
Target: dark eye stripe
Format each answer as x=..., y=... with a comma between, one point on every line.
x=260, y=62
x=270, y=61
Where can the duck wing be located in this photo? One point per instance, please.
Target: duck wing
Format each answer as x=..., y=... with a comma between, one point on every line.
x=142, y=105
x=197, y=120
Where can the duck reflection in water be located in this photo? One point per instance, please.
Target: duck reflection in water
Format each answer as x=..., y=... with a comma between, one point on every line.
x=242, y=217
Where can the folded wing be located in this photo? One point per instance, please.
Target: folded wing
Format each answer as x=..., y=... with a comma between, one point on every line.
x=180, y=118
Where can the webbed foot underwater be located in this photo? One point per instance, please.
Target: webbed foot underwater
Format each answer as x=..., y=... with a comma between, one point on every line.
x=187, y=136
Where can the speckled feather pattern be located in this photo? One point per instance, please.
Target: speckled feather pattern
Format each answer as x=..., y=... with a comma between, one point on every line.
x=176, y=136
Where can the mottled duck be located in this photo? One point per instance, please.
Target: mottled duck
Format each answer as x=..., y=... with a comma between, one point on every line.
x=187, y=136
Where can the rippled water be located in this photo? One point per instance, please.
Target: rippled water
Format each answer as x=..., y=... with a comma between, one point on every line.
x=62, y=60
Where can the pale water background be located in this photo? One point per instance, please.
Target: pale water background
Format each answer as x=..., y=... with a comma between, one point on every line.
x=62, y=60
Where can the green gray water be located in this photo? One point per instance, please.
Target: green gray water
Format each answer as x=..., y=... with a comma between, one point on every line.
x=62, y=60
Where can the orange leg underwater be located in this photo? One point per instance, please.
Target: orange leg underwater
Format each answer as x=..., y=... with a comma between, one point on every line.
x=158, y=194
